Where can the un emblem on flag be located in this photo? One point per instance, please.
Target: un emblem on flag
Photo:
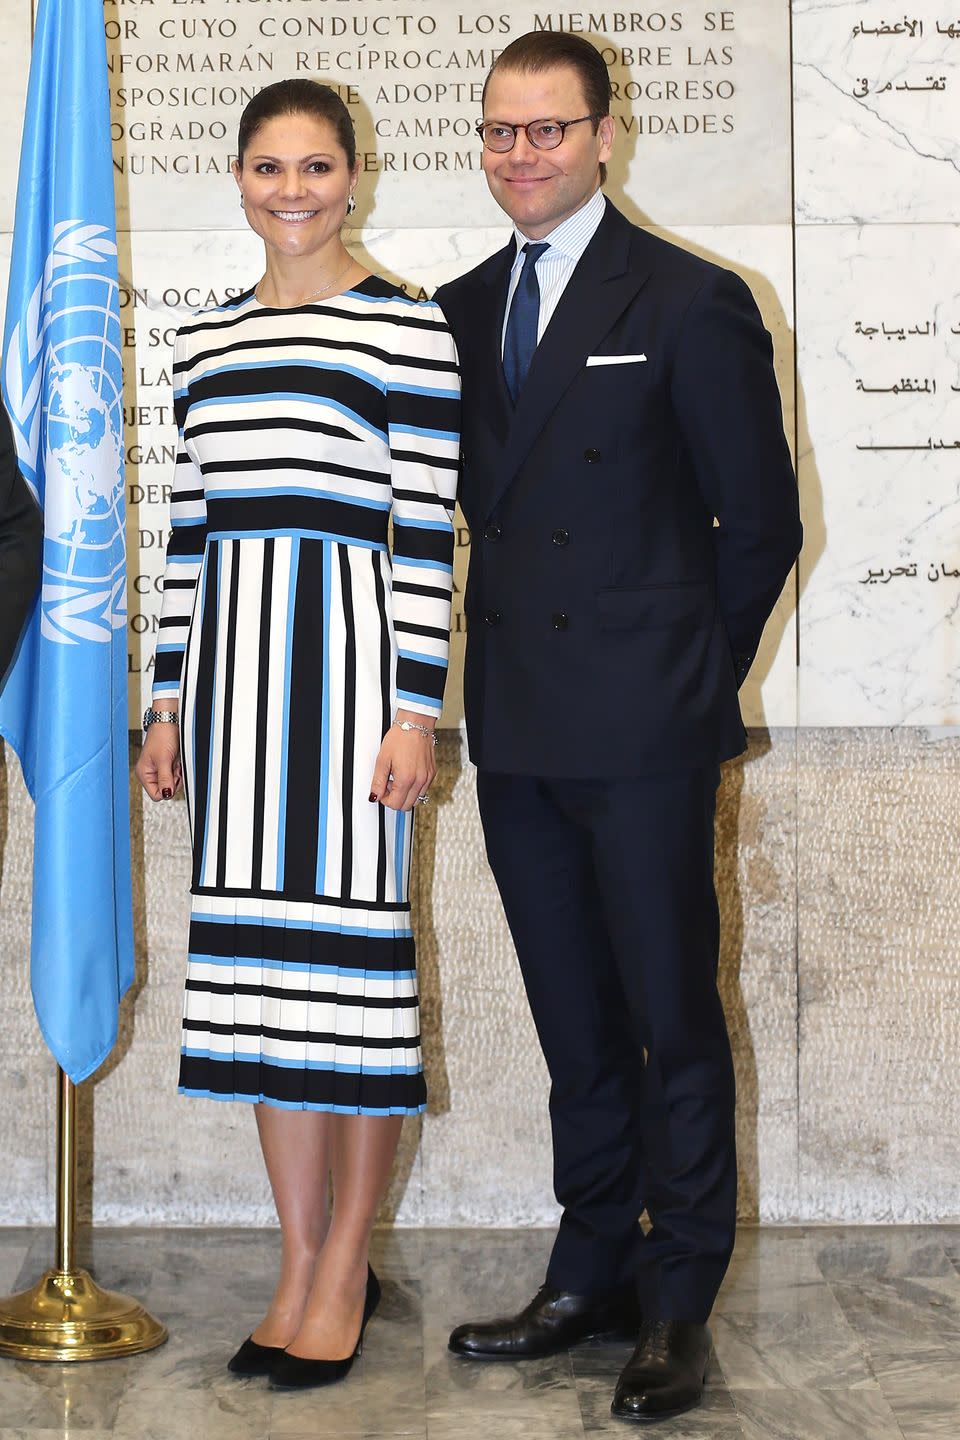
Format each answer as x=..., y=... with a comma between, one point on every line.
x=64, y=381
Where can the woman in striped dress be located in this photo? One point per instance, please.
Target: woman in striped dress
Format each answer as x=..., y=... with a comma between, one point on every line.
x=306, y=672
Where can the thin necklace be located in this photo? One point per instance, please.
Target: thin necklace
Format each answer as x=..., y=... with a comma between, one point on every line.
x=313, y=293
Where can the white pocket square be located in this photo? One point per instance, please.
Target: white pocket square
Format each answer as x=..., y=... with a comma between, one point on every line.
x=616, y=359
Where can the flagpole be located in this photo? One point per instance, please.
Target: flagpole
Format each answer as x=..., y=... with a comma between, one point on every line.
x=66, y=1315
x=66, y=1172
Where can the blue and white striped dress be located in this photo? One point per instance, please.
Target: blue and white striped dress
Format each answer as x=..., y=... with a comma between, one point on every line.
x=291, y=636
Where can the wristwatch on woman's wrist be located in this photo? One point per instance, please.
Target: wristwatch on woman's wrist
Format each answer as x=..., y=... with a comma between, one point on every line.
x=163, y=717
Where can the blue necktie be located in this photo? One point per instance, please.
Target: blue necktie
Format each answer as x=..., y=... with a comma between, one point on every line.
x=520, y=341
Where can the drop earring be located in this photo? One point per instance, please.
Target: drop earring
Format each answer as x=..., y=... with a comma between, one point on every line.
x=242, y=206
x=351, y=204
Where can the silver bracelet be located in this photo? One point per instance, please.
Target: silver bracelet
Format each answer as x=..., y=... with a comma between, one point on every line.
x=420, y=729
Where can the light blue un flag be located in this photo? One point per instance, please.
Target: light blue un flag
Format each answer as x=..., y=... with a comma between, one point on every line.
x=64, y=708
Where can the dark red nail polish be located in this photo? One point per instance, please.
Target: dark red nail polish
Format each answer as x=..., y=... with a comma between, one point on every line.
x=167, y=794
x=373, y=799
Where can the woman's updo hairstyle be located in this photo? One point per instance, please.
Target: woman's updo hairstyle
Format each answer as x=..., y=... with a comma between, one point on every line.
x=297, y=97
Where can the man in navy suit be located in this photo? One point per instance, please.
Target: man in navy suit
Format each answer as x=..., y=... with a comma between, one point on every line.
x=634, y=515
x=21, y=536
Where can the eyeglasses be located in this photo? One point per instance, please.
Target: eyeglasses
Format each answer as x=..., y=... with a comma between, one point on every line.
x=542, y=134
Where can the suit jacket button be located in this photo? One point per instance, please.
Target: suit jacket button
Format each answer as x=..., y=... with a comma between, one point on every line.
x=591, y=456
x=492, y=532
x=561, y=621
x=493, y=617
x=561, y=537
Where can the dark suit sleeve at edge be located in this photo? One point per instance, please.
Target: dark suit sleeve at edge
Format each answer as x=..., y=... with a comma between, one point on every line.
x=725, y=396
x=444, y=299
x=21, y=538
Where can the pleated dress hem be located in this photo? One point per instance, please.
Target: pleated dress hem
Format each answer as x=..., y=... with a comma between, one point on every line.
x=302, y=1005
x=326, y=1109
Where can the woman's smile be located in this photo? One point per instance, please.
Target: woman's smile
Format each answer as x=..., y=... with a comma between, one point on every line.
x=294, y=217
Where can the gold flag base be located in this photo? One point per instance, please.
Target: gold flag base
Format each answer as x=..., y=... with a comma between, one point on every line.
x=66, y=1316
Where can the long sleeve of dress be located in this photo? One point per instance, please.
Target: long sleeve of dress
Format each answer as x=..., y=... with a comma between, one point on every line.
x=423, y=405
x=188, y=534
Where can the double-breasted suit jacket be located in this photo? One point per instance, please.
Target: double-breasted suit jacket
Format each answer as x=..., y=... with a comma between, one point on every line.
x=21, y=536
x=633, y=519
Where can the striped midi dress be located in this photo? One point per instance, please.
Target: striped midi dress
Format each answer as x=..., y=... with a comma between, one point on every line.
x=295, y=622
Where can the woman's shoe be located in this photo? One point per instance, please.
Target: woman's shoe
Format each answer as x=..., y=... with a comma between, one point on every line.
x=296, y=1372
x=254, y=1359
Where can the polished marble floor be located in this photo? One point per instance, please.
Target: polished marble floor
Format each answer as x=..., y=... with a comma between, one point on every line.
x=820, y=1334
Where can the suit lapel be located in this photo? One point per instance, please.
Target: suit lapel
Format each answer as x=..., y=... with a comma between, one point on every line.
x=495, y=407
x=600, y=289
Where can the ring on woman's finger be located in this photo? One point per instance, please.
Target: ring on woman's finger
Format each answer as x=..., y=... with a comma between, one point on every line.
x=423, y=800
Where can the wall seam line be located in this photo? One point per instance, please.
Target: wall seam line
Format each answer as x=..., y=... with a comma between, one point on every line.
x=796, y=583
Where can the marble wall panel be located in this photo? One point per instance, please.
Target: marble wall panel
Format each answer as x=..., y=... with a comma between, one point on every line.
x=848, y=1103
x=15, y=30
x=877, y=111
x=879, y=834
x=879, y=338
x=481, y=1155
x=691, y=84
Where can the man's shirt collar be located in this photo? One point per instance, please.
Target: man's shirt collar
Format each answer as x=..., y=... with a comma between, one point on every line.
x=574, y=234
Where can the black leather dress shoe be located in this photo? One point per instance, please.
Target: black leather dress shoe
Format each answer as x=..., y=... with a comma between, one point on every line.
x=553, y=1321
x=664, y=1375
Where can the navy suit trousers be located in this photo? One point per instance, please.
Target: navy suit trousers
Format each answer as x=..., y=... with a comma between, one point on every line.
x=609, y=892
